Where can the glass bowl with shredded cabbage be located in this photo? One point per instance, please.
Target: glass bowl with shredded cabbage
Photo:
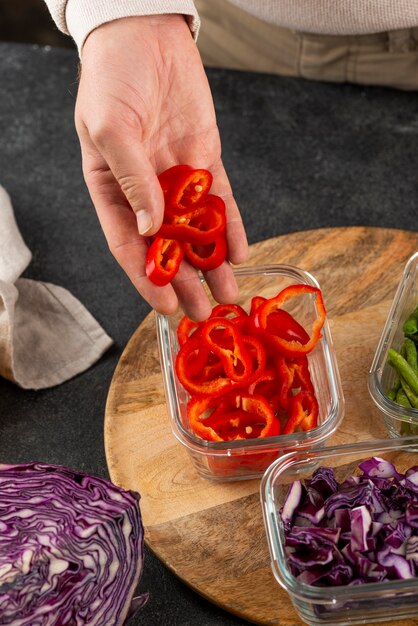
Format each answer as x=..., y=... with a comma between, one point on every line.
x=342, y=530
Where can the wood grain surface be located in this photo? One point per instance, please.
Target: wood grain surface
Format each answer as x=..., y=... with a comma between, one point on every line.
x=210, y=534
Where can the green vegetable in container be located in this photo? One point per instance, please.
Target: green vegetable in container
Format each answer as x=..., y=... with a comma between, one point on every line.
x=405, y=371
x=404, y=390
x=410, y=326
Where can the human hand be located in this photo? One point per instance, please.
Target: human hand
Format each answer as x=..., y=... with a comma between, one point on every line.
x=143, y=105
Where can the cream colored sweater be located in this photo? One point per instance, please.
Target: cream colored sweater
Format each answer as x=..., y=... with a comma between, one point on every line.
x=333, y=17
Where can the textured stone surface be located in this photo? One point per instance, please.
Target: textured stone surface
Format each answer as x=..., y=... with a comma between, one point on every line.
x=300, y=155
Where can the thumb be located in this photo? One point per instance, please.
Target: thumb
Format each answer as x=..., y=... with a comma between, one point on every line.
x=136, y=177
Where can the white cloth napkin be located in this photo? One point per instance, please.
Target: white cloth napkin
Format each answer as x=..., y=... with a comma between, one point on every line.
x=46, y=335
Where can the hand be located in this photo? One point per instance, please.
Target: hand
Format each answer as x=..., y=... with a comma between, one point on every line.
x=143, y=105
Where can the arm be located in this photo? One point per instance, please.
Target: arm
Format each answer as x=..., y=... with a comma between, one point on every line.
x=143, y=105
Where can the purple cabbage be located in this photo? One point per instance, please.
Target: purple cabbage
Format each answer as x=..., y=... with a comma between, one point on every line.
x=293, y=500
x=361, y=522
x=378, y=468
x=323, y=481
x=71, y=548
x=369, y=532
x=411, y=514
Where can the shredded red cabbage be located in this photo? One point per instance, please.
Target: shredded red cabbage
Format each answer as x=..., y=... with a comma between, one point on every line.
x=364, y=529
x=71, y=548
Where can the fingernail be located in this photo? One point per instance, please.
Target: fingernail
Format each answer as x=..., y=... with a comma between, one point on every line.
x=144, y=221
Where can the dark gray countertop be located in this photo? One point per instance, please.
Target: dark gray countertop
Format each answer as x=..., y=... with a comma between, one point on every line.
x=300, y=155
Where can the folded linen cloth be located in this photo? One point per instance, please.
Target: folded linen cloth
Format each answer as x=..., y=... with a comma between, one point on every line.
x=46, y=335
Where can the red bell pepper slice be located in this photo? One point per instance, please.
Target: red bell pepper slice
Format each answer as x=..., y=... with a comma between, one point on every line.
x=255, y=304
x=285, y=380
x=292, y=347
x=207, y=257
x=186, y=329
x=163, y=260
x=248, y=417
x=196, y=380
x=293, y=375
x=169, y=176
x=223, y=338
x=303, y=413
x=283, y=324
x=184, y=186
x=202, y=225
x=258, y=356
x=233, y=312
x=267, y=387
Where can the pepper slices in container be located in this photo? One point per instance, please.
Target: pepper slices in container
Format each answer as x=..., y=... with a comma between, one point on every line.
x=193, y=226
x=247, y=373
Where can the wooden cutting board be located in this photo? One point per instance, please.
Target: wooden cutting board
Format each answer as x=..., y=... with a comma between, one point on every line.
x=210, y=534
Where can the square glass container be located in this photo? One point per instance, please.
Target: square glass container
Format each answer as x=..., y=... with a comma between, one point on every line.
x=399, y=420
x=336, y=605
x=244, y=459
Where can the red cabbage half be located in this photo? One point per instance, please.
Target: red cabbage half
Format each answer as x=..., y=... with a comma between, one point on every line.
x=71, y=548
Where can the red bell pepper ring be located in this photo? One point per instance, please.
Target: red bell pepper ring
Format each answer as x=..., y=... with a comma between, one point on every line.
x=207, y=257
x=266, y=386
x=255, y=304
x=258, y=356
x=163, y=260
x=233, y=312
x=301, y=374
x=292, y=347
x=303, y=413
x=184, y=186
x=283, y=324
x=224, y=339
x=197, y=382
x=293, y=376
x=285, y=381
x=202, y=225
x=168, y=178
x=186, y=329
x=247, y=417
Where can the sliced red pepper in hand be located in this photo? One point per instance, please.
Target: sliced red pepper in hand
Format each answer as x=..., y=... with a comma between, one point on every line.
x=168, y=178
x=223, y=338
x=303, y=413
x=292, y=347
x=207, y=257
x=202, y=225
x=184, y=186
x=163, y=260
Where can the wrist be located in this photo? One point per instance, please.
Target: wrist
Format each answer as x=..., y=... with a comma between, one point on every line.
x=83, y=16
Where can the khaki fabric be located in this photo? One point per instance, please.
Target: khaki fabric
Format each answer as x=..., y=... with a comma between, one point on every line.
x=231, y=38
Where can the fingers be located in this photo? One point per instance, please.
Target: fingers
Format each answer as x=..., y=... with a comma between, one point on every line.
x=122, y=150
x=119, y=225
x=191, y=294
x=235, y=232
x=222, y=284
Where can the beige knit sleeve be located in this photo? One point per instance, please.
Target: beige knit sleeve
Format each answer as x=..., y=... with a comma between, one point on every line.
x=79, y=17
